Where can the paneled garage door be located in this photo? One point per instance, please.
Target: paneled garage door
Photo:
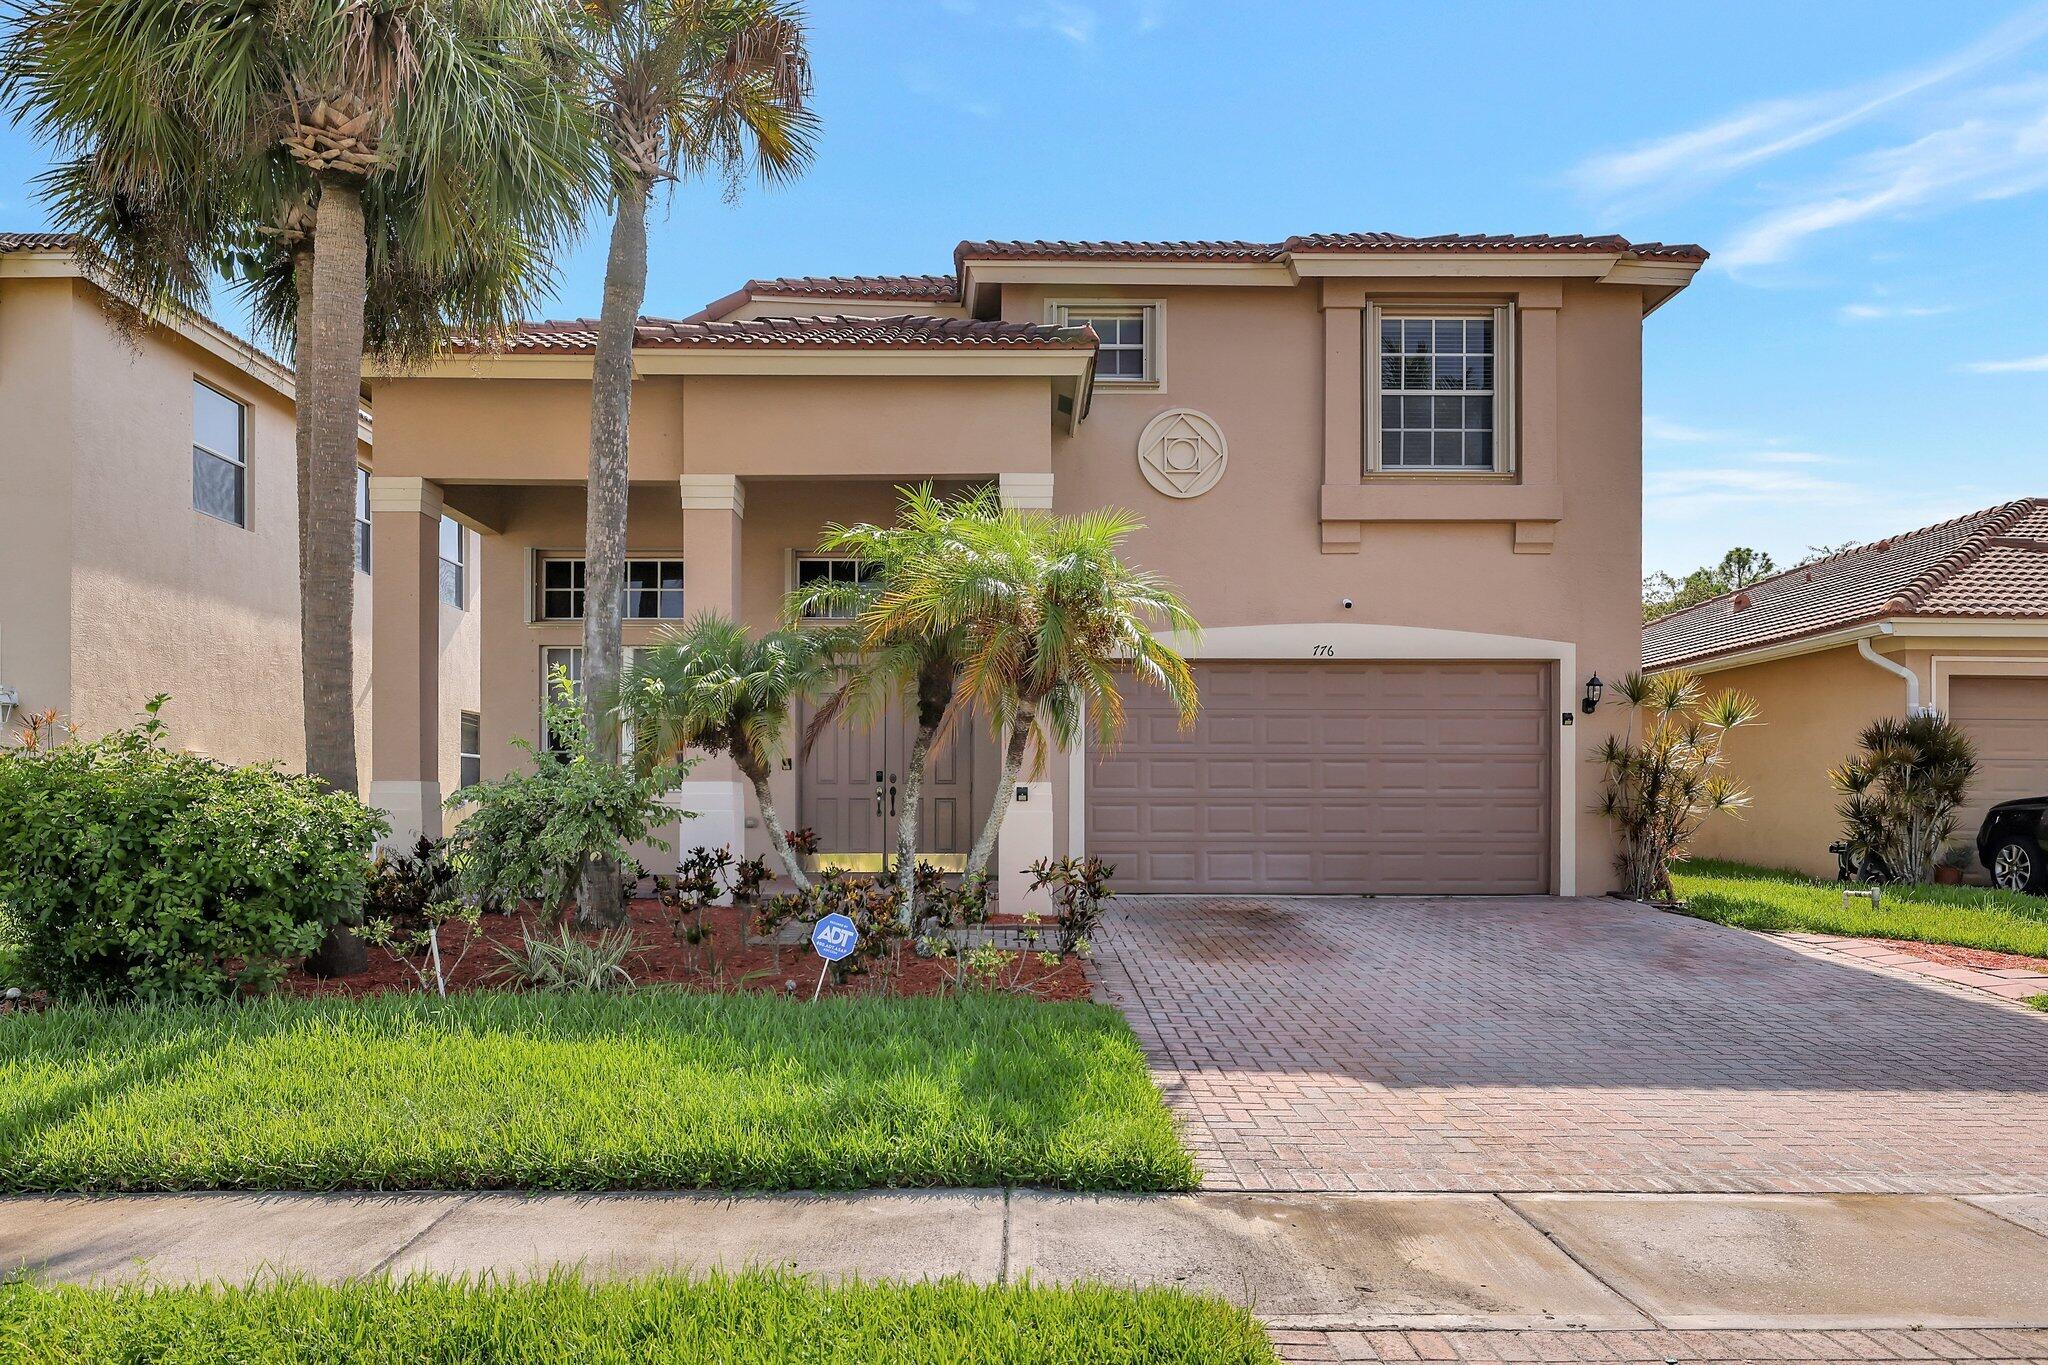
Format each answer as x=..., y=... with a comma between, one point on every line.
x=1334, y=777
x=2008, y=717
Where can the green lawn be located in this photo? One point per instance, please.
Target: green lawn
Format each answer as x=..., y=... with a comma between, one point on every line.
x=756, y=1317
x=1968, y=916
x=649, y=1090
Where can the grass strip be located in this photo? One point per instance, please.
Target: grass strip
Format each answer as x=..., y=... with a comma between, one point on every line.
x=1965, y=916
x=733, y=1319
x=655, y=1089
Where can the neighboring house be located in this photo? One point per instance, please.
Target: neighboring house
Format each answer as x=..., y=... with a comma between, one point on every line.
x=1953, y=617
x=149, y=526
x=1398, y=479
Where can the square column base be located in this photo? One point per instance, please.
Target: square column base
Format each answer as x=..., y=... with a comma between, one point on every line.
x=413, y=808
x=1026, y=836
x=719, y=808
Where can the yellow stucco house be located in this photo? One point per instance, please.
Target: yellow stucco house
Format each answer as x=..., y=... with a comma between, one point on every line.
x=149, y=528
x=1951, y=617
x=1397, y=478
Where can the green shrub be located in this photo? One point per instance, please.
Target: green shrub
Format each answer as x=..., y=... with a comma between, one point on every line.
x=529, y=836
x=132, y=871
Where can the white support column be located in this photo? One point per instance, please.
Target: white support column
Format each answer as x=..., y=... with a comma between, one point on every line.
x=714, y=511
x=1027, y=836
x=1026, y=492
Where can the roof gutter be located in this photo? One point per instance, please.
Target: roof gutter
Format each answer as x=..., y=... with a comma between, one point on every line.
x=1893, y=666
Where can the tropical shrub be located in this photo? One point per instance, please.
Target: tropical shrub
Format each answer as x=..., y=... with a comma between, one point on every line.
x=132, y=871
x=1079, y=888
x=411, y=897
x=530, y=835
x=1667, y=773
x=1901, y=790
x=563, y=962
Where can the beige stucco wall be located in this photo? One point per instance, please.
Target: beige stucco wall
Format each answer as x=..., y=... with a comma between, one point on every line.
x=121, y=588
x=1811, y=707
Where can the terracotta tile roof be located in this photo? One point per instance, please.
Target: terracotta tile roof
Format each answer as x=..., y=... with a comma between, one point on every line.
x=35, y=241
x=904, y=331
x=1530, y=243
x=942, y=288
x=1992, y=563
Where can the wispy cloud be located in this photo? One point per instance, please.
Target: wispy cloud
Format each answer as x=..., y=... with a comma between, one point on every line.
x=925, y=85
x=1877, y=312
x=2033, y=364
x=1661, y=431
x=1995, y=154
x=1075, y=23
x=1686, y=162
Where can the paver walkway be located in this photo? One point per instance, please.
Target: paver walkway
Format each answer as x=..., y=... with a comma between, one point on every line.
x=1537, y=1044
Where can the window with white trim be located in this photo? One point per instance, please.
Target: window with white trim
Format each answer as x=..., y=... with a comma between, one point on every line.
x=362, y=519
x=454, y=563
x=570, y=657
x=1127, y=339
x=220, y=455
x=1440, y=391
x=653, y=590
x=472, y=750
x=830, y=569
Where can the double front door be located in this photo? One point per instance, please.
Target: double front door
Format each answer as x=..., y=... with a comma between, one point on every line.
x=851, y=791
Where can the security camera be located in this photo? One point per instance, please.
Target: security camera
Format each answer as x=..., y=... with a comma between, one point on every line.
x=1347, y=604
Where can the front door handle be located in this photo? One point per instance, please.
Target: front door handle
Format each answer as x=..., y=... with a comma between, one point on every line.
x=892, y=798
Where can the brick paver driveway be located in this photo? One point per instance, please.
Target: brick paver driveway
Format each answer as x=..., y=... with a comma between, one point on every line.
x=1337, y=1044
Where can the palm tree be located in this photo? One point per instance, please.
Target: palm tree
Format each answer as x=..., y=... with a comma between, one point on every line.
x=711, y=685
x=901, y=654
x=680, y=87
x=186, y=128
x=1053, y=619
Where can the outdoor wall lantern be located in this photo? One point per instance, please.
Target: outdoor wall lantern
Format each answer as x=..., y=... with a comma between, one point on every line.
x=1591, y=701
x=9, y=699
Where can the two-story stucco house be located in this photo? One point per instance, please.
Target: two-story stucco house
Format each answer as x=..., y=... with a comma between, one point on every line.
x=1398, y=480
x=149, y=527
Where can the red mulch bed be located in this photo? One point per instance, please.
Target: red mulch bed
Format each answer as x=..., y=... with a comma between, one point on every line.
x=1983, y=959
x=723, y=962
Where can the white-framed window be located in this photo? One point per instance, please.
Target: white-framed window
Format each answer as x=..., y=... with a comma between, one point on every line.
x=1127, y=340
x=653, y=590
x=362, y=519
x=220, y=455
x=1440, y=390
x=472, y=750
x=830, y=569
x=454, y=563
x=570, y=657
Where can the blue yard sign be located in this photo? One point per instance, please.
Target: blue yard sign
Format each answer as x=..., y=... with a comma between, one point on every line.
x=833, y=938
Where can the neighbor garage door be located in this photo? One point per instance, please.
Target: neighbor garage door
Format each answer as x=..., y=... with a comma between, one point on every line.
x=2008, y=717
x=1333, y=777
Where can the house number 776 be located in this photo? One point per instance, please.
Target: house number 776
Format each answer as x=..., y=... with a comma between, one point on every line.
x=1322, y=651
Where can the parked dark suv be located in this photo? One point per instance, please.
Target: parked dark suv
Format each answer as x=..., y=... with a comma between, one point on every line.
x=2011, y=841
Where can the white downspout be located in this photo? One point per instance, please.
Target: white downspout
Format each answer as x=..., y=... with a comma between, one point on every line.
x=1894, y=666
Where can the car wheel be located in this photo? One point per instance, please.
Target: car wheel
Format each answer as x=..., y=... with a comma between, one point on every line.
x=2017, y=864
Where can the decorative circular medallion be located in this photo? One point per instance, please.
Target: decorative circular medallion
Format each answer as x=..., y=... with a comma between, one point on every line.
x=1182, y=453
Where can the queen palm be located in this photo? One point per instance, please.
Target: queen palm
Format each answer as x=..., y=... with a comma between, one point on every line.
x=1053, y=621
x=711, y=685
x=187, y=127
x=901, y=654
x=680, y=87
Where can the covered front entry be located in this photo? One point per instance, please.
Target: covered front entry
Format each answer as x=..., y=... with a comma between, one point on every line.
x=1336, y=777
x=850, y=791
x=2008, y=719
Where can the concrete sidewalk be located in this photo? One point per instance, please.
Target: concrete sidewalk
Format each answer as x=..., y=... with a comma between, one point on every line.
x=1332, y=1262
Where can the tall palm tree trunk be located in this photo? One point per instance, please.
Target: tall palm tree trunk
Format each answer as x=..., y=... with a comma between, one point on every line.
x=1014, y=746
x=934, y=697
x=330, y=353
x=604, y=525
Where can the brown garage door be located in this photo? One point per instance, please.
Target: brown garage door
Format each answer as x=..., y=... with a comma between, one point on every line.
x=2008, y=717
x=1335, y=777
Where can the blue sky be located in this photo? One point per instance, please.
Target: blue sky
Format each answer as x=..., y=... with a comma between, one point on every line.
x=1868, y=351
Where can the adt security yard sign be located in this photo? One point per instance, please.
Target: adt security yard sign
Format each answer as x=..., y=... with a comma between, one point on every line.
x=833, y=938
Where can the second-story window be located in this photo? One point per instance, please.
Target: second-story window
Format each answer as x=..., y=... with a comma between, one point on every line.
x=220, y=455
x=362, y=519
x=839, y=569
x=653, y=590
x=1127, y=339
x=1440, y=385
x=454, y=563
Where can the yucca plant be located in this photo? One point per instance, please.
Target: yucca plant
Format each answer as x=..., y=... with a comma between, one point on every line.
x=712, y=685
x=1902, y=788
x=1667, y=773
x=679, y=88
